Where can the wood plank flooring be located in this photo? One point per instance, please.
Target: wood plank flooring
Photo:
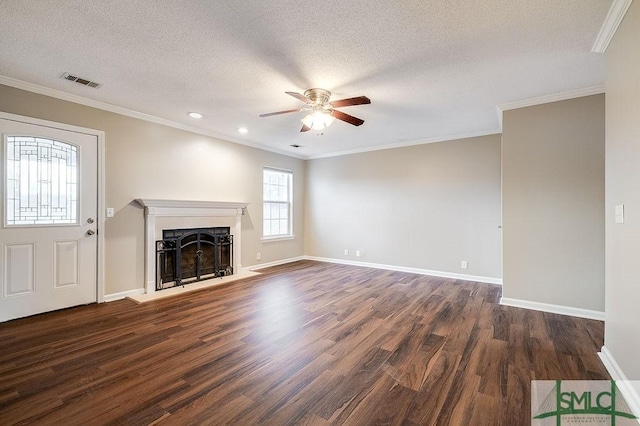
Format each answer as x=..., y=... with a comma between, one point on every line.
x=305, y=343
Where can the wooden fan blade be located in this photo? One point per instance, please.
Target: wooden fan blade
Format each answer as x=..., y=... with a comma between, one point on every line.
x=300, y=97
x=280, y=112
x=360, y=100
x=305, y=128
x=347, y=118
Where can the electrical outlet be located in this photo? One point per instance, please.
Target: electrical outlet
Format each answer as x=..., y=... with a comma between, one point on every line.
x=464, y=264
x=258, y=256
x=357, y=253
x=346, y=252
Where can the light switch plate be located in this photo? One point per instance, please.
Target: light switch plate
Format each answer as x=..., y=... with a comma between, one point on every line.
x=110, y=212
x=620, y=213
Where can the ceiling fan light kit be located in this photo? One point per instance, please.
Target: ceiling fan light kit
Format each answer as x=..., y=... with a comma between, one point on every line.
x=322, y=113
x=318, y=120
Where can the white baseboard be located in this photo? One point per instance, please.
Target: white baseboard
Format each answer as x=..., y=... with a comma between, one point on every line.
x=123, y=294
x=554, y=309
x=465, y=277
x=274, y=263
x=631, y=394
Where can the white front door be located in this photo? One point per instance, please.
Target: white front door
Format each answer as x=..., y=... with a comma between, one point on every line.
x=48, y=241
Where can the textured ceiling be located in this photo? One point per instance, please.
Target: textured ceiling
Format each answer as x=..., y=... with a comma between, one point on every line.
x=432, y=68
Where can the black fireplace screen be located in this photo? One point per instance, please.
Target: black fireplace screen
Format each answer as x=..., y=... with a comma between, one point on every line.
x=187, y=255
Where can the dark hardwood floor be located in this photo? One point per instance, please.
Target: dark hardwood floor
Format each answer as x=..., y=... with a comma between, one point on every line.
x=304, y=343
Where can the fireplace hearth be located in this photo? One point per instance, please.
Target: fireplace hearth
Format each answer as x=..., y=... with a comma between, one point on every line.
x=185, y=256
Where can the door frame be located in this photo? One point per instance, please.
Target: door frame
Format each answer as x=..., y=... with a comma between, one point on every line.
x=100, y=137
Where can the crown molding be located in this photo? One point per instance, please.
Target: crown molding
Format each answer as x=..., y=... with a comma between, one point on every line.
x=610, y=25
x=58, y=94
x=494, y=131
x=588, y=91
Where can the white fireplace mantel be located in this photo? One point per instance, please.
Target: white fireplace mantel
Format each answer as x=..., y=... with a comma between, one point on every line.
x=154, y=208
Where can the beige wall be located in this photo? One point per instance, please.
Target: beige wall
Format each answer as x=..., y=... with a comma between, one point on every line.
x=429, y=206
x=426, y=207
x=139, y=158
x=622, y=325
x=553, y=203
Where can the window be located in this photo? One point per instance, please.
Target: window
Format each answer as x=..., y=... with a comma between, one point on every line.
x=41, y=185
x=277, y=195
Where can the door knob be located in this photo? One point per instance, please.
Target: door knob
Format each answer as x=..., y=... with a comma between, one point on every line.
x=91, y=232
x=90, y=220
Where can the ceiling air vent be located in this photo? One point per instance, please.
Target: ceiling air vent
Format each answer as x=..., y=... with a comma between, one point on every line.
x=81, y=80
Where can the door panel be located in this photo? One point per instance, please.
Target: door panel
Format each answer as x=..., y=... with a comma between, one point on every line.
x=48, y=228
x=66, y=263
x=19, y=265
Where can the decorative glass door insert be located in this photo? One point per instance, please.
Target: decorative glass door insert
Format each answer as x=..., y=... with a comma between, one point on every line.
x=41, y=185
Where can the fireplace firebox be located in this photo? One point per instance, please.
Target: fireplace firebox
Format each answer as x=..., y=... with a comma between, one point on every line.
x=188, y=255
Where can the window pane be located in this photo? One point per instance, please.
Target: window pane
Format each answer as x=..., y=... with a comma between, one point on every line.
x=284, y=211
x=282, y=193
x=10, y=211
x=42, y=181
x=276, y=192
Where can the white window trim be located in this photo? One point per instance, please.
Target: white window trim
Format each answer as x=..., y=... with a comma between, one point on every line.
x=278, y=238
x=282, y=237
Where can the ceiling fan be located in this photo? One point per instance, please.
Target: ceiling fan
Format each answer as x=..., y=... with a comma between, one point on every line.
x=322, y=112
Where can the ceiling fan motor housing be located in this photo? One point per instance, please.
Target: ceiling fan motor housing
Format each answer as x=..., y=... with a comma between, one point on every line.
x=318, y=96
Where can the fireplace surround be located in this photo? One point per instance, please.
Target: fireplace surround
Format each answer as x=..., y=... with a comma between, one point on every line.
x=161, y=215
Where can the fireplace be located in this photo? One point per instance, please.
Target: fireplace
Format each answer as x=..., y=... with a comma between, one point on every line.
x=161, y=215
x=184, y=256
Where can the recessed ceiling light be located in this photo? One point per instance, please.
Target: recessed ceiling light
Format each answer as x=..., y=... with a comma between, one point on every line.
x=195, y=115
x=243, y=130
